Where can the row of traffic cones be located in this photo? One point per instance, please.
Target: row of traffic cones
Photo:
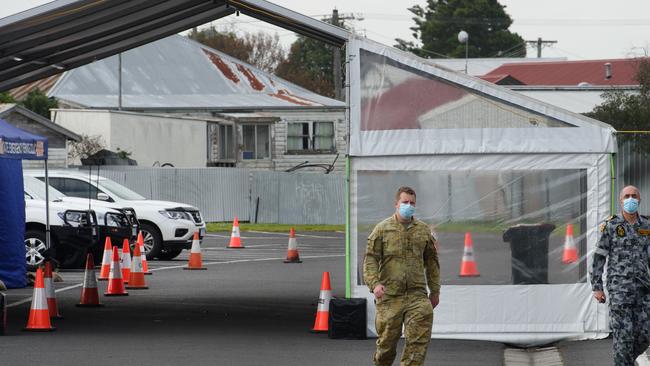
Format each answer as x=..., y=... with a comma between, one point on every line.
x=44, y=305
x=468, y=266
x=119, y=270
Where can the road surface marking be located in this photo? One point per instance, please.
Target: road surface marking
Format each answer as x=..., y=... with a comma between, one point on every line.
x=28, y=299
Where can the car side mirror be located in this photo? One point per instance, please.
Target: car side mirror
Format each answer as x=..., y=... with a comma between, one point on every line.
x=103, y=197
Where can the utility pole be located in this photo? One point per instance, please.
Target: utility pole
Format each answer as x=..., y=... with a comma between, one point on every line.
x=338, y=77
x=540, y=43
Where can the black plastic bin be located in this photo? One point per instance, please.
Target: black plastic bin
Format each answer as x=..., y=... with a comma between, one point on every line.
x=347, y=318
x=529, y=246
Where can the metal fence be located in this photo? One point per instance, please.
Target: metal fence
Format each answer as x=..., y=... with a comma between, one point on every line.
x=633, y=167
x=255, y=196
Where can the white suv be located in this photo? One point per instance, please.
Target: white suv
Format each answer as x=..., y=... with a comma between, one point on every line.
x=75, y=229
x=167, y=227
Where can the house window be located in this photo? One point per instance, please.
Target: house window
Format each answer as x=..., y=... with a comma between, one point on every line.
x=226, y=142
x=310, y=136
x=256, y=142
x=221, y=142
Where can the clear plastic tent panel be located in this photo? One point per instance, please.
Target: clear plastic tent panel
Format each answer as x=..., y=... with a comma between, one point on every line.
x=395, y=96
x=517, y=220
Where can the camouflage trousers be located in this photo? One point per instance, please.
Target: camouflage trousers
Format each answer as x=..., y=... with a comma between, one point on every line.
x=416, y=313
x=630, y=326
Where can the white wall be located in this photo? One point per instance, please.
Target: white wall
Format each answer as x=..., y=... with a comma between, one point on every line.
x=149, y=138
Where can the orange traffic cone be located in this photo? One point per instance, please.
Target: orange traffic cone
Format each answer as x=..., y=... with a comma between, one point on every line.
x=89, y=293
x=136, y=279
x=39, y=315
x=115, y=282
x=235, y=237
x=145, y=265
x=292, y=250
x=195, y=261
x=49, y=292
x=106, y=260
x=570, y=254
x=125, y=263
x=322, y=313
x=468, y=264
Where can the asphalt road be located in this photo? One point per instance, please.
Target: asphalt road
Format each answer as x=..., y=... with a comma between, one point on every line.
x=248, y=308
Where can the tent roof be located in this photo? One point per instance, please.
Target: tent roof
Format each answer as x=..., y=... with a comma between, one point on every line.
x=20, y=144
x=424, y=109
x=179, y=73
x=65, y=34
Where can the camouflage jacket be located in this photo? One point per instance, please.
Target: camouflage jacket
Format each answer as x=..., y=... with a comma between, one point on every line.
x=401, y=258
x=625, y=246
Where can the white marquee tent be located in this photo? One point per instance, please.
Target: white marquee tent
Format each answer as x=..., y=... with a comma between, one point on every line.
x=488, y=162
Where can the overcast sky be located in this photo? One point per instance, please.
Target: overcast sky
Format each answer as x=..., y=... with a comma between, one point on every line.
x=583, y=29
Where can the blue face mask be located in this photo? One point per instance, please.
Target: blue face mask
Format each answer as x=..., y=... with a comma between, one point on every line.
x=406, y=210
x=630, y=205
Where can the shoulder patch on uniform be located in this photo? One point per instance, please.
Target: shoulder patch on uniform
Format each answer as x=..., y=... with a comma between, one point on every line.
x=602, y=227
x=620, y=230
x=611, y=218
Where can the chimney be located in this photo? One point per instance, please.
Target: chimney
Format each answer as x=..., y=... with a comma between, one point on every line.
x=608, y=70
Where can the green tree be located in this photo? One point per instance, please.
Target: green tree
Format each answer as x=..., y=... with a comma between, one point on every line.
x=486, y=21
x=310, y=65
x=629, y=111
x=5, y=97
x=36, y=101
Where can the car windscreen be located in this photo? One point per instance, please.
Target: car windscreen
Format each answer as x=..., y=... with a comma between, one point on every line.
x=36, y=189
x=119, y=190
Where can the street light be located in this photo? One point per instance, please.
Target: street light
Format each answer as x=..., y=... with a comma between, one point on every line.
x=463, y=37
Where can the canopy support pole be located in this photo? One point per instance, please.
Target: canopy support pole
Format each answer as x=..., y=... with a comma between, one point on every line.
x=47, y=208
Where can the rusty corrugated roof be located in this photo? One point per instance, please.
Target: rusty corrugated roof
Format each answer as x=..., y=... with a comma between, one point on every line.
x=176, y=72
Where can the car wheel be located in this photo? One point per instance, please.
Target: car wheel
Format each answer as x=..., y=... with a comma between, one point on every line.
x=35, y=249
x=152, y=240
x=169, y=254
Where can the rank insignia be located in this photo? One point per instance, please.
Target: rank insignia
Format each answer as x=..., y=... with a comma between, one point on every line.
x=644, y=232
x=620, y=231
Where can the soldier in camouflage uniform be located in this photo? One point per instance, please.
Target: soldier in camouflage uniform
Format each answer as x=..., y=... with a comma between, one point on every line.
x=625, y=243
x=401, y=260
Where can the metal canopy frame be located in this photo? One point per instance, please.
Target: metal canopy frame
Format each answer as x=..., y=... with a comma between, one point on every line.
x=66, y=34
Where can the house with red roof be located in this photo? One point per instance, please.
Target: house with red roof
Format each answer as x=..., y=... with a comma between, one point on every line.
x=574, y=85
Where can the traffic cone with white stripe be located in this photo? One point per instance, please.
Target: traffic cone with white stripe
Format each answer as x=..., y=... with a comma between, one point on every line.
x=322, y=313
x=570, y=254
x=39, y=314
x=145, y=265
x=292, y=250
x=89, y=293
x=235, y=236
x=115, y=282
x=125, y=263
x=468, y=264
x=106, y=260
x=49, y=292
x=196, y=261
x=136, y=279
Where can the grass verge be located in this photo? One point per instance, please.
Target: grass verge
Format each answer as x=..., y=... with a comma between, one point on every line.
x=273, y=228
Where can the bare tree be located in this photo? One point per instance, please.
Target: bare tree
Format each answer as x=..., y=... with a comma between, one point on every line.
x=260, y=49
x=88, y=146
x=266, y=51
